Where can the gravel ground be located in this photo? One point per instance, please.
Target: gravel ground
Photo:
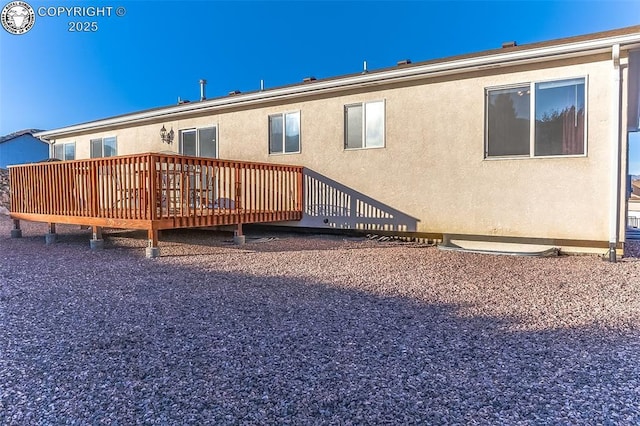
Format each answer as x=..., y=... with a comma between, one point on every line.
x=310, y=330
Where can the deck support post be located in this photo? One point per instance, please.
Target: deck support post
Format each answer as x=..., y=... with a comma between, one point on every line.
x=16, y=232
x=96, y=243
x=238, y=236
x=152, y=249
x=50, y=237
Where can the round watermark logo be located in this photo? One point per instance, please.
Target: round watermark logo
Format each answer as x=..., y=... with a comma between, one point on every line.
x=17, y=17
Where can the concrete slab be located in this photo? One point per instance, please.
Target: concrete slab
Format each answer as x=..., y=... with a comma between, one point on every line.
x=490, y=247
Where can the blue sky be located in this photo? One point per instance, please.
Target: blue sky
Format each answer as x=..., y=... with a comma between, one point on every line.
x=51, y=77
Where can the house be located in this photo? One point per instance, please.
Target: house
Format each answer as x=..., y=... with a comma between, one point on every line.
x=524, y=144
x=22, y=147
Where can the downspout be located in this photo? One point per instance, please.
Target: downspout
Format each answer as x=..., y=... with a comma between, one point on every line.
x=47, y=141
x=614, y=205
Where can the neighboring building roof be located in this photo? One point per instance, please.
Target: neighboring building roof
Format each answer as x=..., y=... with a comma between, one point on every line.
x=601, y=42
x=20, y=133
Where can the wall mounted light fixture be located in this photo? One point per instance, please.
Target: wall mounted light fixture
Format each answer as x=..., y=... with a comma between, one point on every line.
x=167, y=137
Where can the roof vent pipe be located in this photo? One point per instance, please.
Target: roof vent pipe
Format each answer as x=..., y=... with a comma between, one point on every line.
x=507, y=44
x=203, y=85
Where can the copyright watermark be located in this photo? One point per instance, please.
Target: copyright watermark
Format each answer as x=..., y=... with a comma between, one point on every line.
x=18, y=17
x=81, y=12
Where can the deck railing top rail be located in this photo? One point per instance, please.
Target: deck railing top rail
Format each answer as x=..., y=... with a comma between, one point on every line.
x=160, y=156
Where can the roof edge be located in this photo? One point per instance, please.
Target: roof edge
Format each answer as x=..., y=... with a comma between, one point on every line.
x=19, y=133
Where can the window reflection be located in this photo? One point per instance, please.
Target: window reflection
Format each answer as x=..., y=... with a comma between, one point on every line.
x=375, y=124
x=560, y=118
x=292, y=133
x=189, y=143
x=508, y=121
x=207, y=142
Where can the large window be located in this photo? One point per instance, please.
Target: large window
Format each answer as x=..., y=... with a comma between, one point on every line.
x=364, y=125
x=537, y=119
x=64, y=151
x=199, y=142
x=104, y=147
x=284, y=133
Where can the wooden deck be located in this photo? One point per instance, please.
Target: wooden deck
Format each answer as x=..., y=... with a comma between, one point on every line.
x=155, y=192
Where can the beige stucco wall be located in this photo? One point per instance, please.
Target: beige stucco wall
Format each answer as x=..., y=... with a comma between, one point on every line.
x=431, y=175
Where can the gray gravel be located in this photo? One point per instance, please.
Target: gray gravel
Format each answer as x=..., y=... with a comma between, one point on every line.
x=310, y=330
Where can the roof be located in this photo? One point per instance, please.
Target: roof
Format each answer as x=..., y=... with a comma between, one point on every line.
x=18, y=134
x=589, y=44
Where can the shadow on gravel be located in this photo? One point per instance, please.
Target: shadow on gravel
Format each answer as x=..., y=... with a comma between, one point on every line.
x=191, y=236
x=257, y=241
x=108, y=338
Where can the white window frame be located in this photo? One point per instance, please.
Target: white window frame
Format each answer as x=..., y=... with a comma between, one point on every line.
x=64, y=151
x=195, y=129
x=284, y=132
x=364, y=124
x=532, y=119
x=102, y=146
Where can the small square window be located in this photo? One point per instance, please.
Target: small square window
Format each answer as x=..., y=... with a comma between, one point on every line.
x=104, y=147
x=284, y=133
x=199, y=142
x=364, y=125
x=64, y=151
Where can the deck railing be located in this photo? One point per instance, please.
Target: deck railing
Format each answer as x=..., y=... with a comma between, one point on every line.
x=156, y=191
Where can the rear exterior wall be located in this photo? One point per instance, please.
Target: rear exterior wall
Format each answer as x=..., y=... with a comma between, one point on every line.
x=432, y=174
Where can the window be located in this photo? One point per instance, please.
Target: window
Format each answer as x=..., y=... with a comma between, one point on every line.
x=284, y=133
x=64, y=151
x=199, y=142
x=537, y=119
x=364, y=125
x=104, y=147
